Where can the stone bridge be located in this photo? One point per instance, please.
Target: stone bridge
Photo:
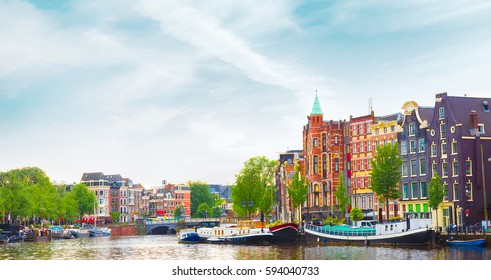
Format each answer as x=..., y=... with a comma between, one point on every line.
x=169, y=227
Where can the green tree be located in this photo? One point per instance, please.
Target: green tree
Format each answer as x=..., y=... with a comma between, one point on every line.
x=344, y=199
x=297, y=190
x=200, y=193
x=178, y=212
x=85, y=199
x=28, y=192
x=115, y=215
x=203, y=210
x=436, y=193
x=254, y=187
x=386, y=174
x=356, y=214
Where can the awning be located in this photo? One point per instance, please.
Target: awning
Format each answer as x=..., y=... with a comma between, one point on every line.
x=160, y=212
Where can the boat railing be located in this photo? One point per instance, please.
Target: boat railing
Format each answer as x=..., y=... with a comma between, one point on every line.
x=342, y=232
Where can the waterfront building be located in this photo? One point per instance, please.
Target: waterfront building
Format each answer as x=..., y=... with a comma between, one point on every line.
x=384, y=131
x=323, y=151
x=113, y=194
x=413, y=150
x=164, y=199
x=361, y=154
x=283, y=178
x=460, y=150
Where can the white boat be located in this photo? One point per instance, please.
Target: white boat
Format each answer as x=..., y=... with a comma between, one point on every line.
x=415, y=230
x=236, y=234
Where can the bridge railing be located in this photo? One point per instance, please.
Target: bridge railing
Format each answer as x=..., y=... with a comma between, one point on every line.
x=189, y=220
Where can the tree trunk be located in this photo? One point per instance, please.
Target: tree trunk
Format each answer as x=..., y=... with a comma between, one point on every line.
x=388, y=208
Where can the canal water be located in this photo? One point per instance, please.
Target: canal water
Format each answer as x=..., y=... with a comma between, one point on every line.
x=166, y=247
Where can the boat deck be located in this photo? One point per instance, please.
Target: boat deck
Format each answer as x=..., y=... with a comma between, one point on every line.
x=345, y=230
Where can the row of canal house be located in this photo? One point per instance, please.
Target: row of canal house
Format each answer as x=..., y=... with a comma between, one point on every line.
x=117, y=194
x=449, y=139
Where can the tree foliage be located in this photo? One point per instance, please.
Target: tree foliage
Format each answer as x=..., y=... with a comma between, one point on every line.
x=254, y=187
x=178, y=211
x=27, y=193
x=386, y=173
x=297, y=190
x=342, y=195
x=436, y=193
x=200, y=193
x=356, y=214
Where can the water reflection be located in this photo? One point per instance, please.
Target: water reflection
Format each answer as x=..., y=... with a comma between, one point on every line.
x=165, y=247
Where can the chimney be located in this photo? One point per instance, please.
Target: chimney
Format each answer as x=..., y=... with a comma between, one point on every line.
x=474, y=120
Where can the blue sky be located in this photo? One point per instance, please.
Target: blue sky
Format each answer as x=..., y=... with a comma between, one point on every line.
x=189, y=90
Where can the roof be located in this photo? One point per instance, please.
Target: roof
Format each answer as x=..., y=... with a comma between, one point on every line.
x=316, y=109
x=461, y=107
x=94, y=176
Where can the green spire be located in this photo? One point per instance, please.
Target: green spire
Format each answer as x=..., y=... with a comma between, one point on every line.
x=316, y=109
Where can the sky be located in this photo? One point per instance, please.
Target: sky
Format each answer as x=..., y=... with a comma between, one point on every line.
x=190, y=90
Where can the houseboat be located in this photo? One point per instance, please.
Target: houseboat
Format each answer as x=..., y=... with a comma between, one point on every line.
x=416, y=229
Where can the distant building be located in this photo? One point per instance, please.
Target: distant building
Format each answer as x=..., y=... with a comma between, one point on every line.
x=284, y=175
x=163, y=200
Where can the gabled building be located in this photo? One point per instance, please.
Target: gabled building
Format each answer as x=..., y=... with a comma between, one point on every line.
x=361, y=154
x=460, y=149
x=416, y=175
x=384, y=131
x=323, y=151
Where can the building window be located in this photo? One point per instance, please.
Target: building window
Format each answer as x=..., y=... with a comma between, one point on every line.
x=336, y=165
x=422, y=166
x=434, y=169
x=393, y=128
x=355, y=131
x=444, y=169
x=468, y=191
x=445, y=192
x=412, y=129
x=335, y=140
x=362, y=147
x=354, y=148
x=454, y=147
x=404, y=169
x=405, y=190
x=481, y=128
x=456, y=192
x=369, y=146
x=441, y=113
x=362, y=129
x=424, y=190
x=414, y=168
x=444, y=149
x=433, y=150
x=403, y=147
x=468, y=167
x=315, y=142
x=443, y=131
x=421, y=144
x=455, y=168
x=377, y=131
x=315, y=164
x=414, y=190
x=412, y=146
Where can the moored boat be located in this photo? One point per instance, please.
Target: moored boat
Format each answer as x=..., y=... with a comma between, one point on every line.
x=187, y=236
x=286, y=232
x=237, y=234
x=4, y=239
x=465, y=243
x=58, y=232
x=415, y=230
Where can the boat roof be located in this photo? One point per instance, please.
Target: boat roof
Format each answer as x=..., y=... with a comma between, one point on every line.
x=348, y=228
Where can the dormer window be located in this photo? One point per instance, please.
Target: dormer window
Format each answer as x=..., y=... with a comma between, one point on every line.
x=481, y=128
x=485, y=106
